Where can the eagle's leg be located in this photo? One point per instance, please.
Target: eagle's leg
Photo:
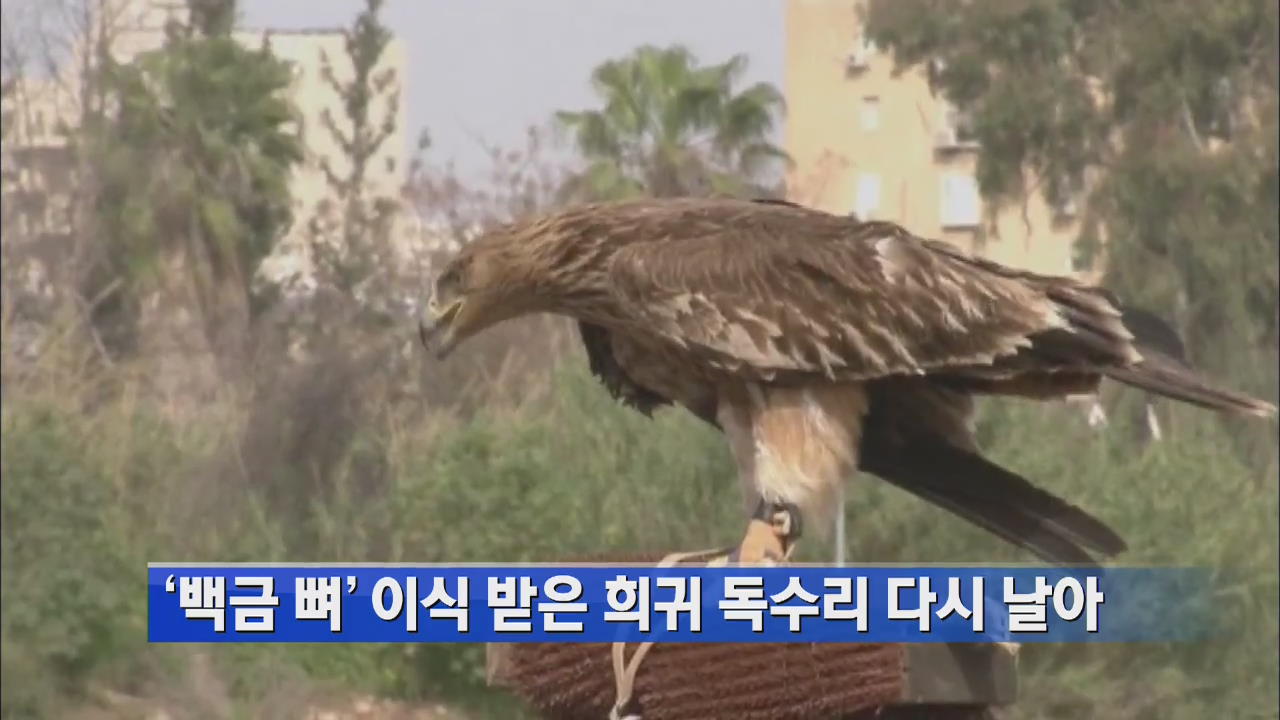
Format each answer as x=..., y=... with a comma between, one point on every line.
x=772, y=532
x=793, y=446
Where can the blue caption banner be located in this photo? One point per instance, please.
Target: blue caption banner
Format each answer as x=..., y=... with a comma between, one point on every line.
x=565, y=603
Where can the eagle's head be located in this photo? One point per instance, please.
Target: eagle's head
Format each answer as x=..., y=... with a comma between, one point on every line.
x=555, y=263
x=498, y=276
x=472, y=291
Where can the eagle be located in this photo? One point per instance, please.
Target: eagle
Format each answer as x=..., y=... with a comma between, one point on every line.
x=820, y=345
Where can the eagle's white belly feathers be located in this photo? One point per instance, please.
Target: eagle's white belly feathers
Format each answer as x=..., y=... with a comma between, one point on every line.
x=794, y=445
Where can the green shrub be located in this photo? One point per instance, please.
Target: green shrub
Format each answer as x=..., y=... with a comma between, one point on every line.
x=90, y=495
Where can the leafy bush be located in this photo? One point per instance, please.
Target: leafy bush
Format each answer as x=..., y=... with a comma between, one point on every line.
x=94, y=490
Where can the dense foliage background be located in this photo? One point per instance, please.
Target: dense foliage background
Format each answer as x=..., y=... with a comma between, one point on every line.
x=309, y=427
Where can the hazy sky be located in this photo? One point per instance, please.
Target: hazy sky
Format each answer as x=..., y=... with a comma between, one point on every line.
x=490, y=68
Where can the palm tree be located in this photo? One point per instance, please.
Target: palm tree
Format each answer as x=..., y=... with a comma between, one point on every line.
x=670, y=127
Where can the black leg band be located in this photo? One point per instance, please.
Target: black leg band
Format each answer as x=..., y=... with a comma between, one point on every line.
x=770, y=513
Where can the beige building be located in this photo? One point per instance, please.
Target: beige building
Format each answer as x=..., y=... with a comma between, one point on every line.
x=37, y=159
x=36, y=162
x=884, y=146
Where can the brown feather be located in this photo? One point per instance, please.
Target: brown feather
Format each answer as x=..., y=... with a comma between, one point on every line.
x=698, y=301
x=917, y=436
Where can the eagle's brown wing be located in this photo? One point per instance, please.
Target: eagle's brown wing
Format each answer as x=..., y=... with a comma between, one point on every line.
x=598, y=342
x=775, y=292
x=916, y=436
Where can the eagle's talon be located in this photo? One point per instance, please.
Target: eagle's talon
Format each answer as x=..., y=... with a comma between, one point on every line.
x=771, y=534
x=787, y=521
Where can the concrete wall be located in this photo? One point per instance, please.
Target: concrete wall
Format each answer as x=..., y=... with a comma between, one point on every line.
x=857, y=131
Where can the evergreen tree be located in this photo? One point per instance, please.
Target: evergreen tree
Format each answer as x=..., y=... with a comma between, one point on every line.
x=1162, y=114
x=337, y=342
x=192, y=165
x=361, y=248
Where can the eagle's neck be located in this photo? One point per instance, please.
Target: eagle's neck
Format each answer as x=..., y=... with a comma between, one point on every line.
x=573, y=277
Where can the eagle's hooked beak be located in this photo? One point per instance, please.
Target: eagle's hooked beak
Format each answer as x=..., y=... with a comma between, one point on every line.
x=436, y=330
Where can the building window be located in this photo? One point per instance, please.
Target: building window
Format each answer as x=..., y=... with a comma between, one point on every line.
x=1062, y=197
x=859, y=57
x=955, y=129
x=870, y=113
x=866, y=202
x=961, y=202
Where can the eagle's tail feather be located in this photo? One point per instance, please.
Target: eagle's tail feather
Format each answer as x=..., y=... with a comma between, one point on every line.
x=1164, y=369
x=995, y=499
x=1163, y=375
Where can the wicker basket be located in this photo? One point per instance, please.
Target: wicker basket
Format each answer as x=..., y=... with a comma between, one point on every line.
x=687, y=681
